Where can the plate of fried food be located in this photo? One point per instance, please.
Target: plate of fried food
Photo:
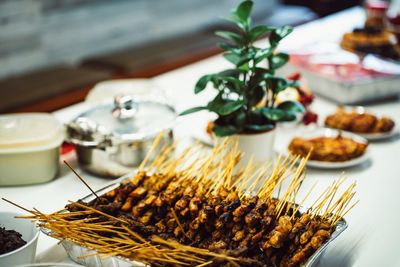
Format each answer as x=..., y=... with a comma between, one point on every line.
x=327, y=148
x=358, y=120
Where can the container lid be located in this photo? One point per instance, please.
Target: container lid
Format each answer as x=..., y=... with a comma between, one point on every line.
x=29, y=131
x=124, y=121
x=377, y=5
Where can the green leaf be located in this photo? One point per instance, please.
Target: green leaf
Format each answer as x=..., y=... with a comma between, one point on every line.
x=192, y=110
x=273, y=114
x=262, y=54
x=242, y=14
x=259, y=77
x=255, y=95
x=256, y=117
x=229, y=107
x=291, y=106
x=230, y=73
x=278, y=34
x=289, y=116
x=284, y=31
x=202, y=83
x=258, y=31
x=223, y=106
x=246, y=57
x=230, y=48
x=238, y=60
x=232, y=36
x=243, y=11
x=259, y=128
x=279, y=60
x=277, y=84
x=244, y=25
x=240, y=119
x=233, y=58
x=214, y=104
x=225, y=130
x=232, y=83
x=244, y=67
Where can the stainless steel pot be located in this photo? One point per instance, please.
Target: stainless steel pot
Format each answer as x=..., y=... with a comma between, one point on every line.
x=111, y=140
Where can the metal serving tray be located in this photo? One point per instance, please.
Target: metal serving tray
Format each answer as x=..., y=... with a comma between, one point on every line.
x=79, y=254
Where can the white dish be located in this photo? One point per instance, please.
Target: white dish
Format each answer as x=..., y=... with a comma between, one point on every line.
x=198, y=127
x=380, y=136
x=29, y=148
x=29, y=232
x=312, y=132
x=370, y=136
x=338, y=165
x=203, y=137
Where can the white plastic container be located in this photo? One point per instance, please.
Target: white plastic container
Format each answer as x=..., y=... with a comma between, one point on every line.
x=29, y=148
x=29, y=232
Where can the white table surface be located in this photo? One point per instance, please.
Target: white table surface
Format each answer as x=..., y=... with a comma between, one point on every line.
x=372, y=238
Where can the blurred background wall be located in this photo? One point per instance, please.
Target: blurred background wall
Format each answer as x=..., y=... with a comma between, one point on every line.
x=38, y=33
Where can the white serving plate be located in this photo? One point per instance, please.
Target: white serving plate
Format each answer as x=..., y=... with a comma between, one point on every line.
x=371, y=136
x=312, y=132
x=338, y=165
x=200, y=134
x=380, y=136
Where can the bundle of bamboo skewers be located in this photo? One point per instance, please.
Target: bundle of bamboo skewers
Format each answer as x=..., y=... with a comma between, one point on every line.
x=204, y=209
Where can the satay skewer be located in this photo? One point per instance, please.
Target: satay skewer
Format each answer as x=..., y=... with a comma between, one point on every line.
x=16, y=205
x=300, y=204
x=212, y=183
x=80, y=178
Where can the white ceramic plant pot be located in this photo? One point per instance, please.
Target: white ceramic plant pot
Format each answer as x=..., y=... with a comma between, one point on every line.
x=260, y=146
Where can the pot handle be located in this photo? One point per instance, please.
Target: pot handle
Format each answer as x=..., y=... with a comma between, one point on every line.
x=84, y=132
x=125, y=107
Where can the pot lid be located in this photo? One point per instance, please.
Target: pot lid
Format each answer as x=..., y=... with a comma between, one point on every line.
x=27, y=131
x=125, y=120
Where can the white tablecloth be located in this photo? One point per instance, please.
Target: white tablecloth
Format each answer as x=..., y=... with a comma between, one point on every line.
x=372, y=236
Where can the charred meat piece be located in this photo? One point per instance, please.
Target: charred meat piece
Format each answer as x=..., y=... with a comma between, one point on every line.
x=280, y=234
x=354, y=121
x=330, y=149
x=138, y=193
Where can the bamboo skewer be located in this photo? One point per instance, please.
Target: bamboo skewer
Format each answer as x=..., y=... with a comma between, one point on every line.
x=16, y=205
x=80, y=178
x=210, y=175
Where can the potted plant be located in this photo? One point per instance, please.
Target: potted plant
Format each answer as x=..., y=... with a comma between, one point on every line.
x=246, y=94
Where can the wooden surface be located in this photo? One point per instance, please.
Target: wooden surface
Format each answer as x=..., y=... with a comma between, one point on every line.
x=152, y=59
x=54, y=88
x=48, y=89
